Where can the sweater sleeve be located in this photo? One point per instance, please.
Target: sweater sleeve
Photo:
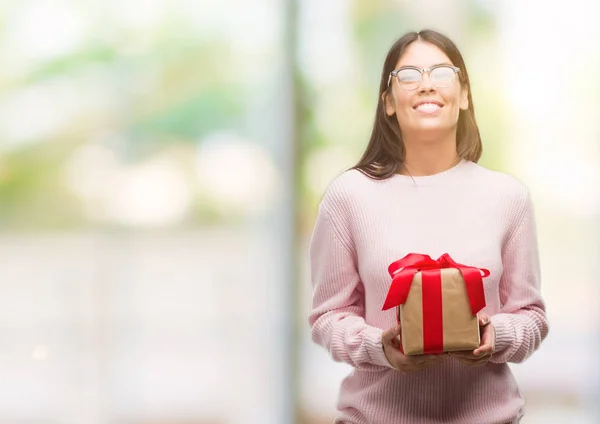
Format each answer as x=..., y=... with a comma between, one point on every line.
x=521, y=324
x=337, y=316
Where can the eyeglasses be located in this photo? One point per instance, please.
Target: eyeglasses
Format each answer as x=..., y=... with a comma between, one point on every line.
x=409, y=77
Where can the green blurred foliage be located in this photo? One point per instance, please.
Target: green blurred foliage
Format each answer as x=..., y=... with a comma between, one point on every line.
x=179, y=89
x=32, y=193
x=174, y=93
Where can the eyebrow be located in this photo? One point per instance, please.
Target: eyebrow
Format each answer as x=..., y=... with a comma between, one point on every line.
x=432, y=66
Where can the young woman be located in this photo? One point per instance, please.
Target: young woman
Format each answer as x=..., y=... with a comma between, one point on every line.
x=418, y=189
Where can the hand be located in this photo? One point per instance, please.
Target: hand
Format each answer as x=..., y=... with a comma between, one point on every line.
x=483, y=353
x=392, y=340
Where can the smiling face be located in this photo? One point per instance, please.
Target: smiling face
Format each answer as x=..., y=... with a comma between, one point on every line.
x=427, y=110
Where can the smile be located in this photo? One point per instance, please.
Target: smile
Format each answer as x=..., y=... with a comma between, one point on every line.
x=428, y=108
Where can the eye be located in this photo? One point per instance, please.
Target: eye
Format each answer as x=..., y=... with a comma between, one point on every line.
x=443, y=76
x=409, y=76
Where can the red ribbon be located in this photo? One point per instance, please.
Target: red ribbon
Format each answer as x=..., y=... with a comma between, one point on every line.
x=403, y=272
x=433, y=320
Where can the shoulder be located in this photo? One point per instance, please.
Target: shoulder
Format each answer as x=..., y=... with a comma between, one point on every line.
x=499, y=183
x=503, y=187
x=347, y=188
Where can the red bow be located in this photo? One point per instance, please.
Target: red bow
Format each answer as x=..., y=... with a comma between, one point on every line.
x=402, y=272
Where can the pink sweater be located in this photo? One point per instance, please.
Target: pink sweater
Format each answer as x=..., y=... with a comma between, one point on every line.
x=481, y=218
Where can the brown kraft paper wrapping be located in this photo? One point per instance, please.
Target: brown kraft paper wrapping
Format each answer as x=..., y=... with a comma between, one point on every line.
x=461, y=329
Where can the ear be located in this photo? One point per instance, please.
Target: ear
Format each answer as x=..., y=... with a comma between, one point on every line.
x=388, y=103
x=464, y=99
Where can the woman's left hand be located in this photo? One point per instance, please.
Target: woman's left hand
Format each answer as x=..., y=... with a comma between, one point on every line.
x=483, y=353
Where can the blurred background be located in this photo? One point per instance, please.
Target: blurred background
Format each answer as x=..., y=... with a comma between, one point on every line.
x=161, y=163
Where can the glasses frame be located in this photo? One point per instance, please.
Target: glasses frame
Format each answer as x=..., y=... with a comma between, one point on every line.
x=421, y=71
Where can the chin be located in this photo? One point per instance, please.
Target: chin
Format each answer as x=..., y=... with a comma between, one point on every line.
x=433, y=131
x=432, y=127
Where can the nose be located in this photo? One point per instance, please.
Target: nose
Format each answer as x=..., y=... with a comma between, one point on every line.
x=426, y=84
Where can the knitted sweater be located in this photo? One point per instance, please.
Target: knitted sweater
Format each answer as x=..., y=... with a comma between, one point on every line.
x=481, y=218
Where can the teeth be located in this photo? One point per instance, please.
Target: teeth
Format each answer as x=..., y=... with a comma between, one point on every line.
x=428, y=106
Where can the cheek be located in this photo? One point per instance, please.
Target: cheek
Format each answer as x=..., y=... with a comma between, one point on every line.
x=461, y=98
x=403, y=105
x=452, y=99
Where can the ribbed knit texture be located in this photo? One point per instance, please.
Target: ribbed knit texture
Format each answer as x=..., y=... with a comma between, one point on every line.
x=481, y=218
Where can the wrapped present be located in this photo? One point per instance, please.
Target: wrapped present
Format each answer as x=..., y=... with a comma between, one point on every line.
x=437, y=303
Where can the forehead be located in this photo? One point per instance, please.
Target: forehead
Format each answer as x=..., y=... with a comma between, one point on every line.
x=422, y=55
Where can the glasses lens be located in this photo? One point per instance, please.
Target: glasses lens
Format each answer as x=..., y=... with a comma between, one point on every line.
x=408, y=79
x=442, y=76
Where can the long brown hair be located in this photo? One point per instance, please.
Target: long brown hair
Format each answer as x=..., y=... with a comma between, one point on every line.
x=385, y=152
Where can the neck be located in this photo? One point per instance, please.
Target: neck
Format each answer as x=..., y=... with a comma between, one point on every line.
x=427, y=157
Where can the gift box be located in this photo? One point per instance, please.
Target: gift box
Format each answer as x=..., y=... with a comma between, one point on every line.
x=437, y=303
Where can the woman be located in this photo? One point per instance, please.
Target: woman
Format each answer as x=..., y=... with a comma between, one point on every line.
x=418, y=189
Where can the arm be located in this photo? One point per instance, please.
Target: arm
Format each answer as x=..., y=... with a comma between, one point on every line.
x=337, y=313
x=521, y=325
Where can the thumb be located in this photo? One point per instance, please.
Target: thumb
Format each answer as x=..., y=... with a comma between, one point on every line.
x=489, y=335
x=391, y=333
x=483, y=319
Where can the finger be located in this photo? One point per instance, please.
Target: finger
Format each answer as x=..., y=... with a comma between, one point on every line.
x=389, y=335
x=463, y=354
x=426, y=364
x=416, y=366
x=419, y=359
x=472, y=363
x=487, y=344
x=489, y=336
x=482, y=355
x=482, y=361
x=420, y=366
x=428, y=360
x=434, y=360
x=482, y=351
x=484, y=319
x=464, y=361
x=407, y=370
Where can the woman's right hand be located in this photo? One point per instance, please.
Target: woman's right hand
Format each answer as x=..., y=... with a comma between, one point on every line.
x=391, y=340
